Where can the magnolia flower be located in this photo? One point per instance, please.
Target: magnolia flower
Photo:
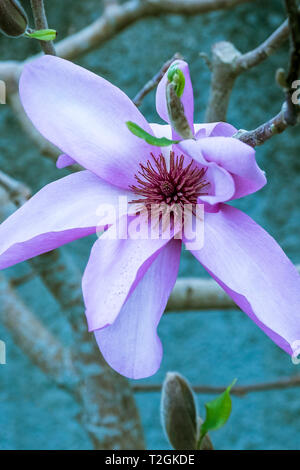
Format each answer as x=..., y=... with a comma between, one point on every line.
x=127, y=282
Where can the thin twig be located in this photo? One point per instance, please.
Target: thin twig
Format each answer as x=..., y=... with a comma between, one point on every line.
x=240, y=391
x=265, y=131
x=40, y=21
x=227, y=63
x=115, y=20
x=18, y=192
x=151, y=84
x=263, y=51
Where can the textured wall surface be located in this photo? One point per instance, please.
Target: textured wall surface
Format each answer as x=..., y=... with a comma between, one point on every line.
x=207, y=347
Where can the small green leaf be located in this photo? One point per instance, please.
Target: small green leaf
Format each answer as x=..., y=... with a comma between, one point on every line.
x=42, y=34
x=217, y=412
x=176, y=76
x=150, y=139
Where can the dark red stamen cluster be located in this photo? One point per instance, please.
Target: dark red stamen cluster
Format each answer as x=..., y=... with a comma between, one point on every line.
x=179, y=184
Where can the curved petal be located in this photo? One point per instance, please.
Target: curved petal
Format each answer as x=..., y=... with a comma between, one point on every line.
x=85, y=116
x=251, y=267
x=237, y=158
x=221, y=187
x=131, y=345
x=232, y=155
x=187, y=98
x=63, y=161
x=61, y=212
x=214, y=129
x=163, y=130
x=117, y=263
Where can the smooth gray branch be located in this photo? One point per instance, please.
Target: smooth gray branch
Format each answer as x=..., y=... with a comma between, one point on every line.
x=40, y=21
x=227, y=63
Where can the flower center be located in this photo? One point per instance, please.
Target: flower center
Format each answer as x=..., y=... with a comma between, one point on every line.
x=167, y=188
x=179, y=184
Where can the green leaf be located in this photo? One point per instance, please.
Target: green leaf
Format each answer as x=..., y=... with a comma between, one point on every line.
x=42, y=34
x=217, y=412
x=176, y=76
x=150, y=139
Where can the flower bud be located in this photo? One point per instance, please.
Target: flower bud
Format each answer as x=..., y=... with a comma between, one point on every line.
x=178, y=412
x=206, y=443
x=176, y=114
x=13, y=19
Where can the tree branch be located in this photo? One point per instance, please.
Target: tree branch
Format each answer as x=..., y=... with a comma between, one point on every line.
x=227, y=63
x=99, y=390
x=199, y=294
x=238, y=390
x=151, y=84
x=34, y=339
x=40, y=21
x=263, y=51
x=115, y=19
x=264, y=132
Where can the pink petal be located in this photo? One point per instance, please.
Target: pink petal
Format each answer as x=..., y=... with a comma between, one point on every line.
x=61, y=212
x=251, y=267
x=84, y=115
x=234, y=156
x=187, y=97
x=222, y=186
x=115, y=266
x=215, y=129
x=131, y=345
x=63, y=161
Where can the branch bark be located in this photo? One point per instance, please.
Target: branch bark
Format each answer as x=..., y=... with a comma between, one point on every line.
x=227, y=63
x=105, y=396
x=40, y=21
x=199, y=294
x=34, y=339
x=264, y=132
x=108, y=410
x=115, y=19
x=154, y=81
x=238, y=390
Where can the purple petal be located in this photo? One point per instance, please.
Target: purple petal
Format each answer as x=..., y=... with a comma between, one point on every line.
x=115, y=266
x=61, y=212
x=234, y=156
x=63, y=161
x=215, y=129
x=221, y=183
x=163, y=130
x=251, y=267
x=85, y=116
x=131, y=345
x=187, y=97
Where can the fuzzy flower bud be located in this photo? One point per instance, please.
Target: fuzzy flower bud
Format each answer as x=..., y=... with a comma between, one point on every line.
x=13, y=19
x=176, y=113
x=178, y=412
